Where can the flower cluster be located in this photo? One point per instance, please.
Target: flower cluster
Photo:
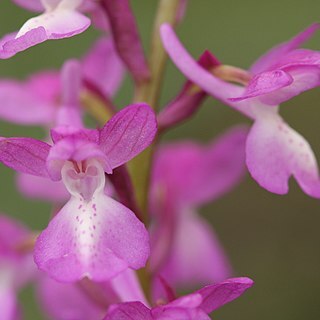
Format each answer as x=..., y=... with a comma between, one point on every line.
x=125, y=235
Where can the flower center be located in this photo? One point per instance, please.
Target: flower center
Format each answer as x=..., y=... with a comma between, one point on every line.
x=83, y=178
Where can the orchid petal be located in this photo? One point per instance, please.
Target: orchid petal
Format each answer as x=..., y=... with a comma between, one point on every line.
x=198, y=75
x=25, y=155
x=45, y=85
x=12, y=233
x=195, y=174
x=275, y=87
x=186, y=307
x=275, y=152
x=128, y=133
x=127, y=287
x=8, y=303
x=66, y=301
x=298, y=57
x=126, y=38
x=266, y=83
x=128, y=311
x=217, y=295
x=42, y=188
x=266, y=61
x=56, y=24
x=93, y=235
x=304, y=78
x=21, y=104
x=103, y=67
x=71, y=82
x=81, y=242
x=33, y=5
x=198, y=260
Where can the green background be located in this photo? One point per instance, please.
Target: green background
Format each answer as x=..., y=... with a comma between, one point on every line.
x=273, y=239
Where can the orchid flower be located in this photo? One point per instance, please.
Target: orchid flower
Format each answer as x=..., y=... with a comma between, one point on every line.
x=185, y=176
x=274, y=151
x=37, y=101
x=60, y=19
x=12, y=261
x=93, y=235
x=195, y=306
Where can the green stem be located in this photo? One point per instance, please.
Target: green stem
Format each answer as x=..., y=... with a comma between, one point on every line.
x=149, y=92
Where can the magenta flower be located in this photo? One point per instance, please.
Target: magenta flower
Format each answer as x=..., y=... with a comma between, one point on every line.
x=185, y=176
x=37, y=101
x=60, y=19
x=92, y=235
x=274, y=151
x=195, y=306
x=12, y=261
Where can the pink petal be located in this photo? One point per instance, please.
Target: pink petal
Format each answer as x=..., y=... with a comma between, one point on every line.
x=198, y=75
x=126, y=38
x=198, y=260
x=25, y=155
x=128, y=311
x=186, y=307
x=8, y=304
x=10, y=45
x=271, y=57
x=21, y=104
x=12, y=233
x=127, y=287
x=194, y=174
x=56, y=24
x=71, y=81
x=275, y=87
x=103, y=67
x=46, y=85
x=33, y=5
x=12, y=236
x=217, y=295
x=96, y=239
x=298, y=57
x=66, y=301
x=266, y=83
x=275, y=152
x=42, y=188
x=128, y=133
x=304, y=78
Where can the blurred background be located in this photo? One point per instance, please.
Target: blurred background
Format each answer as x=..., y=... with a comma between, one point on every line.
x=273, y=239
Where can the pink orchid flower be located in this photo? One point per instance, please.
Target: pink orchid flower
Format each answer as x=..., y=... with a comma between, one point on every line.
x=60, y=19
x=12, y=261
x=274, y=151
x=185, y=176
x=37, y=100
x=195, y=306
x=93, y=235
